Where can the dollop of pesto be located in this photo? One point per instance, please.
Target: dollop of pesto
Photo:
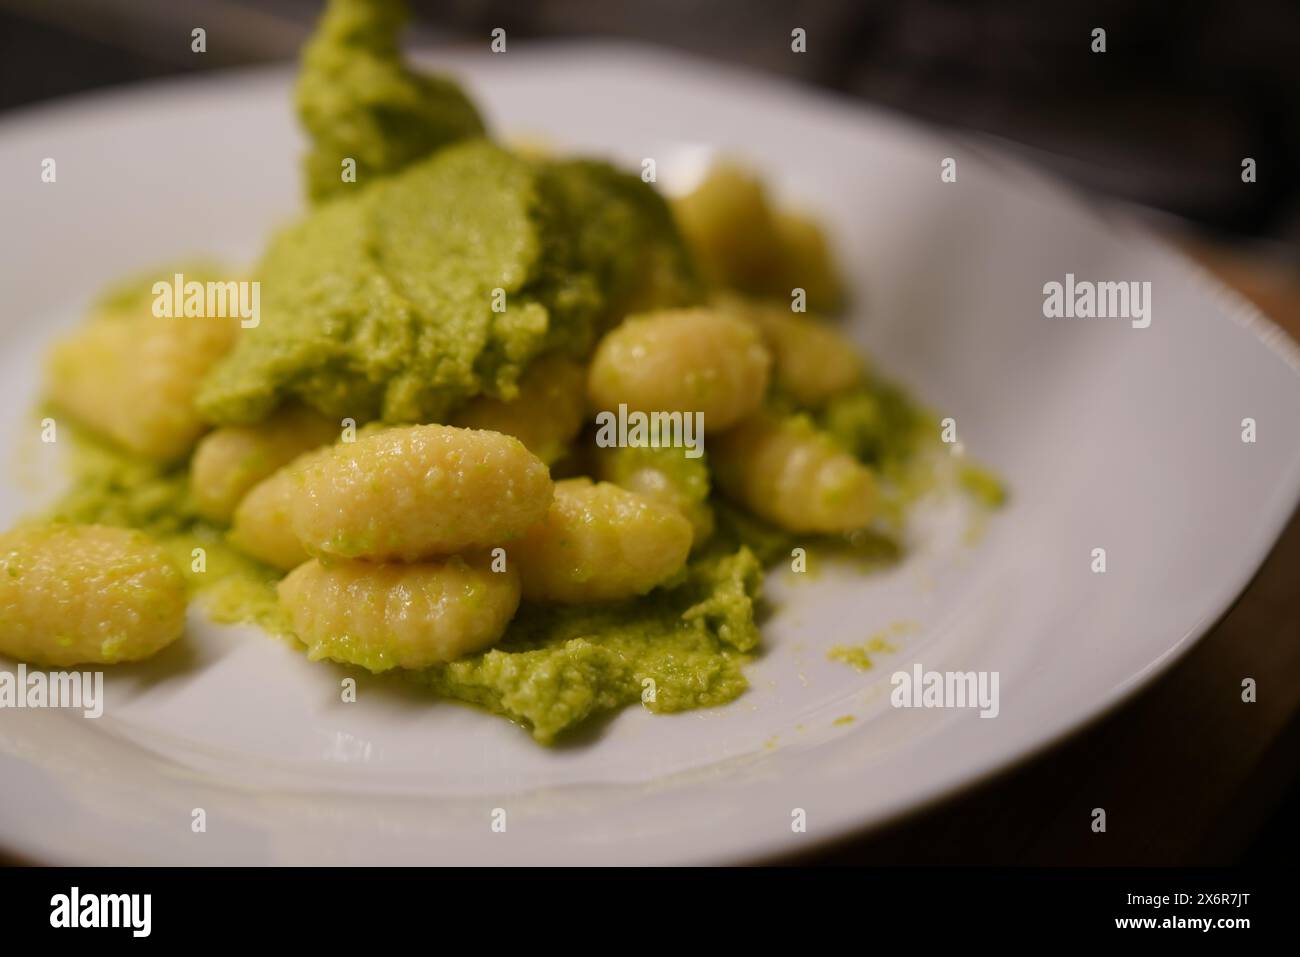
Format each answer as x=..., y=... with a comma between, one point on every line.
x=448, y=263
x=360, y=102
x=443, y=282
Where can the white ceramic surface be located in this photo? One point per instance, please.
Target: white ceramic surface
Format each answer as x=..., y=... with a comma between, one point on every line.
x=1110, y=436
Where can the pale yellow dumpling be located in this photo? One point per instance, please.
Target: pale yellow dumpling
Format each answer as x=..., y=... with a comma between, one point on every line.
x=743, y=242
x=681, y=360
x=230, y=460
x=387, y=615
x=261, y=528
x=806, y=263
x=545, y=416
x=86, y=594
x=416, y=491
x=662, y=475
x=730, y=226
x=133, y=379
x=600, y=542
x=811, y=360
x=784, y=470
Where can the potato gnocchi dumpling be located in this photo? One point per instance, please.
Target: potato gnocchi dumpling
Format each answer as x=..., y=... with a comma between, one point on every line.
x=806, y=263
x=416, y=491
x=86, y=594
x=599, y=543
x=382, y=616
x=811, y=360
x=261, y=525
x=743, y=243
x=546, y=415
x=729, y=225
x=230, y=460
x=133, y=379
x=681, y=360
x=784, y=470
x=662, y=475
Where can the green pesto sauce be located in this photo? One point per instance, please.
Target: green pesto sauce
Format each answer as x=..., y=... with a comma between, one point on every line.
x=673, y=650
x=867, y=549
x=982, y=484
x=442, y=283
x=448, y=264
x=859, y=656
x=359, y=102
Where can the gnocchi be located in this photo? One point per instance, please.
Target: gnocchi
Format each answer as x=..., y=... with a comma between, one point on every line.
x=417, y=491
x=261, y=525
x=600, y=543
x=784, y=470
x=133, y=379
x=681, y=360
x=546, y=415
x=806, y=263
x=728, y=223
x=811, y=360
x=230, y=460
x=662, y=475
x=86, y=594
x=382, y=616
x=742, y=242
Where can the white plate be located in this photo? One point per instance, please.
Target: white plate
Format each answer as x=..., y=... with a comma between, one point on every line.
x=1113, y=437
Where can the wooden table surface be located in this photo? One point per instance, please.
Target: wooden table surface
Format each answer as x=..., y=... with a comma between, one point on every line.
x=1187, y=772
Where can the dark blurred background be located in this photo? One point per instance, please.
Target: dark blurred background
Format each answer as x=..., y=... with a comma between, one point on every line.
x=1162, y=119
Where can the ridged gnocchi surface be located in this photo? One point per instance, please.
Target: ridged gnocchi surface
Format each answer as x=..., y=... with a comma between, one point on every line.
x=784, y=470
x=86, y=594
x=230, y=460
x=546, y=415
x=133, y=379
x=681, y=360
x=382, y=616
x=417, y=491
x=598, y=543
